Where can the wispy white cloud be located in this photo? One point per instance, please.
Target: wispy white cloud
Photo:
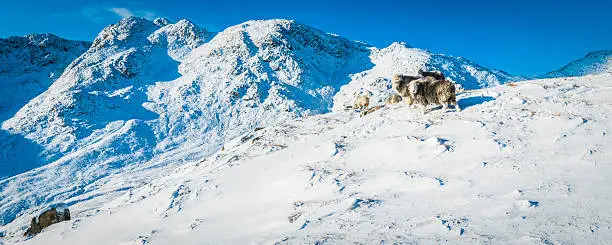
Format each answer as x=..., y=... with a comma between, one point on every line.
x=101, y=14
x=125, y=12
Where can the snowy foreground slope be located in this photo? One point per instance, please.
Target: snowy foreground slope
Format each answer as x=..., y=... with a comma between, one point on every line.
x=157, y=94
x=525, y=163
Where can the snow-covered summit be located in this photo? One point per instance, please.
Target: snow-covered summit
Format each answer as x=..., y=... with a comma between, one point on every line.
x=105, y=84
x=162, y=22
x=596, y=62
x=127, y=32
x=258, y=72
x=180, y=37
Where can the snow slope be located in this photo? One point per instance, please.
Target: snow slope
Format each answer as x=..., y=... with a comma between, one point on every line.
x=28, y=66
x=522, y=164
x=597, y=62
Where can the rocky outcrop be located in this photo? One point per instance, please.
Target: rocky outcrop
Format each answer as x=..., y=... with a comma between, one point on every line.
x=52, y=216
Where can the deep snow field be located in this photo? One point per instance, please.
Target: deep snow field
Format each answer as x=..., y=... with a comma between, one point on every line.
x=524, y=163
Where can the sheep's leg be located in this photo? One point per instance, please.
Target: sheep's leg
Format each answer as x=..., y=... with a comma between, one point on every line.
x=444, y=106
x=456, y=106
x=409, y=102
x=423, y=107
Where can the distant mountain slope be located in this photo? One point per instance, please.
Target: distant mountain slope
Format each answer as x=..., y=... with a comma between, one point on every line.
x=28, y=66
x=256, y=73
x=597, y=62
x=106, y=84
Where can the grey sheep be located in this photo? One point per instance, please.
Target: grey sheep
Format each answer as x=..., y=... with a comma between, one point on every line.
x=435, y=74
x=429, y=90
x=400, y=84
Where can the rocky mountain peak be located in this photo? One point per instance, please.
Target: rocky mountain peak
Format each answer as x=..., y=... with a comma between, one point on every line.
x=130, y=29
x=161, y=22
x=180, y=38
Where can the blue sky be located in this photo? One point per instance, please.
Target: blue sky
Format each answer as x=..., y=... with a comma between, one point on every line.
x=520, y=36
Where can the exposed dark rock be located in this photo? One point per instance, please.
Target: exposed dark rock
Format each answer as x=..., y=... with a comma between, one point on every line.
x=52, y=216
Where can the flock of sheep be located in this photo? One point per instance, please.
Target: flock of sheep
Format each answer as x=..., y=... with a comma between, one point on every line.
x=426, y=89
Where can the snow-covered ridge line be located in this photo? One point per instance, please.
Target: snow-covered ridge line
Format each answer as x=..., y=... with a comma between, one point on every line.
x=593, y=63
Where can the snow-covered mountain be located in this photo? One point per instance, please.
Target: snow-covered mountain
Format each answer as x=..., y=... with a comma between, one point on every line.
x=150, y=100
x=597, y=62
x=28, y=66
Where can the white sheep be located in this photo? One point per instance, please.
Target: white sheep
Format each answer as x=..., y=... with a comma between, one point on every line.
x=361, y=102
x=392, y=99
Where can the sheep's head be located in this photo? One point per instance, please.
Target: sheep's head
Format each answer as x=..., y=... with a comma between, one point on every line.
x=396, y=81
x=414, y=87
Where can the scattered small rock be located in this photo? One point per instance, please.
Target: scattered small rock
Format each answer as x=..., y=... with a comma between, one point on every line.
x=294, y=217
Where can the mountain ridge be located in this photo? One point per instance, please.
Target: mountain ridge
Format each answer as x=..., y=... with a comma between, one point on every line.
x=595, y=62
